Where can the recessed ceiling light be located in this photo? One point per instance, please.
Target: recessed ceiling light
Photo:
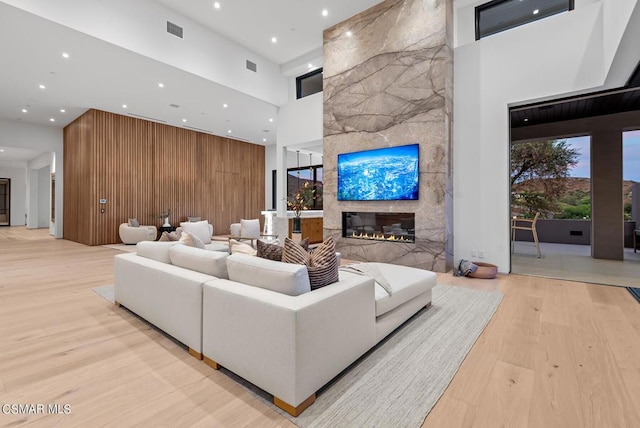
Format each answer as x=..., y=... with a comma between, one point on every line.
x=325, y=12
x=160, y=85
x=264, y=139
x=65, y=55
x=52, y=120
x=225, y=105
x=124, y=106
x=310, y=65
x=270, y=119
x=349, y=33
x=42, y=86
x=536, y=11
x=274, y=39
x=216, y=5
x=24, y=110
x=184, y=120
x=526, y=119
x=1, y=150
x=62, y=110
x=229, y=131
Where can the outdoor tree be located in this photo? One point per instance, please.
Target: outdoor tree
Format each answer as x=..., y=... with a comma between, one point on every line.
x=542, y=166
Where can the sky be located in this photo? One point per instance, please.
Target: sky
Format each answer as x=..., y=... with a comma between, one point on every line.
x=630, y=156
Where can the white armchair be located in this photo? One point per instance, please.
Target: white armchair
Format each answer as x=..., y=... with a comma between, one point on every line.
x=247, y=230
x=133, y=235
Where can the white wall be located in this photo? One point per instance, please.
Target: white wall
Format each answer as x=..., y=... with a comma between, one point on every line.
x=17, y=172
x=32, y=198
x=270, y=165
x=562, y=54
x=41, y=138
x=300, y=121
x=39, y=191
x=140, y=26
x=44, y=197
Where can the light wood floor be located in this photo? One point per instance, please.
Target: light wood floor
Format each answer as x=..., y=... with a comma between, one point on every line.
x=556, y=354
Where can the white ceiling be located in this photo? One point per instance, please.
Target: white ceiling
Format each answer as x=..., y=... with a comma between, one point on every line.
x=17, y=154
x=104, y=76
x=297, y=24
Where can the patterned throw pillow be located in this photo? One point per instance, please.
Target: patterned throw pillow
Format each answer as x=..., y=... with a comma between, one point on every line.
x=323, y=267
x=164, y=237
x=173, y=236
x=134, y=222
x=295, y=253
x=191, y=240
x=269, y=251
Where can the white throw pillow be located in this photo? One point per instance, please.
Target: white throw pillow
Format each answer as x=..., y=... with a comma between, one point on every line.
x=250, y=228
x=204, y=261
x=191, y=240
x=199, y=229
x=286, y=278
x=239, y=247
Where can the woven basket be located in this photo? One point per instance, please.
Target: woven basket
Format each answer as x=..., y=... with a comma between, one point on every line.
x=485, y=271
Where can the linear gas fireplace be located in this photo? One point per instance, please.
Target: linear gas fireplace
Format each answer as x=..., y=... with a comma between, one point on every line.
x=376, y=226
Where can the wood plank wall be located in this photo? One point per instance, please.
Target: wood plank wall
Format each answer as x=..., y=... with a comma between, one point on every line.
x=143, y=168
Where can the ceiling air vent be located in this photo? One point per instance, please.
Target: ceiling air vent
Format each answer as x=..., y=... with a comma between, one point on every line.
x=174, y=105
x=252, y=66
x=174, y=29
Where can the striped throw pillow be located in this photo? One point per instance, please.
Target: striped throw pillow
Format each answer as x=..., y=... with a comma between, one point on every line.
x=294, y=253
x=323, y=266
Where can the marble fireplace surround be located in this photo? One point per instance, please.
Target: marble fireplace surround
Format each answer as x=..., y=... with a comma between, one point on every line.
x=388, y=75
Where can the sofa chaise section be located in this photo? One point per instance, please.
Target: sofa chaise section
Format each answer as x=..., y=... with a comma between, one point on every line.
x=290, y=346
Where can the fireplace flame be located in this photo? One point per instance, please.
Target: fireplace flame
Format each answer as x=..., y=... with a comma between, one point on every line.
x=380, y=237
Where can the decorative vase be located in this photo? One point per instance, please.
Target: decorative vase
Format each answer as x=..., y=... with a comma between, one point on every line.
x=296, y=225
x=166, y=222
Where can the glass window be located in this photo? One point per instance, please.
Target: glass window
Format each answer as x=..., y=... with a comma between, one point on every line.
x=309, y=83
x=296, y=177
x=499, y=15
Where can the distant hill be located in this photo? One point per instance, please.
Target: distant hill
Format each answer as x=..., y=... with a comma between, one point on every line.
x=576, y=190
x=577, y=184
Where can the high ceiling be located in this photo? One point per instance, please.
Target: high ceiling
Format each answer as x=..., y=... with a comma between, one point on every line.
x=104, y=76
x=296, y=24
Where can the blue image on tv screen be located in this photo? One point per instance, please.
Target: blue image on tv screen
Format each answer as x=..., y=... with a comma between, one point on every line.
x=387, y=174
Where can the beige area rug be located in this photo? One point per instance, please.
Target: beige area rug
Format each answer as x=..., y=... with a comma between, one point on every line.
x=398, y=382
x=121, y=247
x=106, y=292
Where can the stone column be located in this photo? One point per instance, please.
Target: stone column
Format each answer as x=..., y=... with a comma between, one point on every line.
x=388, y=81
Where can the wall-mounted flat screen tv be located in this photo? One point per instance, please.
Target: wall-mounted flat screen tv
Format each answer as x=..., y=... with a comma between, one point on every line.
x=387, y=174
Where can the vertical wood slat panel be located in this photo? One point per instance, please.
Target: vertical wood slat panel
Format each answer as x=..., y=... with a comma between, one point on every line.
x=143, y=168
x=77, y=160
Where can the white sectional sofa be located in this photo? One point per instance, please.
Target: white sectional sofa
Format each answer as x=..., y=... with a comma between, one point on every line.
x=258, y=317
x=292, y=344
x=162, y=283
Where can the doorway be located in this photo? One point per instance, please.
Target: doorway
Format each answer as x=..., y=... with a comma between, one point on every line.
x=5, y=202
x=565, y=228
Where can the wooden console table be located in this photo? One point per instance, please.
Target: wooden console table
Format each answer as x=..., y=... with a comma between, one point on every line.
x=311, y=228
